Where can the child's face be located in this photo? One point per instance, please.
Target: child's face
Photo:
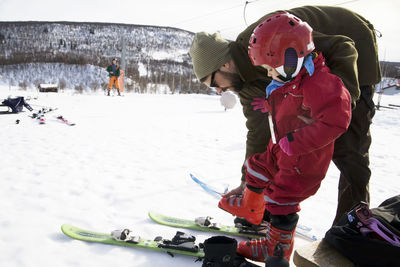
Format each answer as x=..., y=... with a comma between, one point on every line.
x=272, y=72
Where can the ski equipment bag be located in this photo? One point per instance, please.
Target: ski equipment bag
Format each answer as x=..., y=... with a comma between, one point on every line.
x=369, y=237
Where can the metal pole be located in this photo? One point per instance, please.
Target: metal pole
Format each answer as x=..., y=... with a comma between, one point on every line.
x=123, y=62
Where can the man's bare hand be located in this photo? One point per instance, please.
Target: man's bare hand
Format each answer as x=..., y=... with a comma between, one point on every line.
x=237, y=191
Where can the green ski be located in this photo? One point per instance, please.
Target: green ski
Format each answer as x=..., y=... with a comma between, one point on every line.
x=191, y=224
x=218, y=228
x=157, y=245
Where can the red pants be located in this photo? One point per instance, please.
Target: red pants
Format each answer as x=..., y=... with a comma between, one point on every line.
x=287, y=180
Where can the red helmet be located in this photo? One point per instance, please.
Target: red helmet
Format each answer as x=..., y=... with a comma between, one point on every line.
x=275, y=34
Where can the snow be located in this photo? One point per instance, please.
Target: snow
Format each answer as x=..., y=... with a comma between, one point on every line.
x=170, y=55
x=142, y=69
x=129, y=155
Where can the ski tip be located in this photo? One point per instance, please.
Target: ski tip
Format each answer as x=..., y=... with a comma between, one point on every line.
x=156, y=217
x=152, y=215
x=65, y=228
x=194, y=178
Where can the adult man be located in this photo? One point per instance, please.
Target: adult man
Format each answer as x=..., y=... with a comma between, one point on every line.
x=348, y=43
x=113, y=72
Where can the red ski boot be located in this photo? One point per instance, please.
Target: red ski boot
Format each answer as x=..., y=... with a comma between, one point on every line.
x=259, y=249
x=250, y=205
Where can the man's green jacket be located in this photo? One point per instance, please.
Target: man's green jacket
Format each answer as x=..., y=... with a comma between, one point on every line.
x=346, y=40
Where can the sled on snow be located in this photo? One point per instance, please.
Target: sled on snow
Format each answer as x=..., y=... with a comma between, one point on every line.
x=14, y=105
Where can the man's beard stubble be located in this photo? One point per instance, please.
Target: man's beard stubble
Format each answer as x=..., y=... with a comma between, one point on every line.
x=236, y=83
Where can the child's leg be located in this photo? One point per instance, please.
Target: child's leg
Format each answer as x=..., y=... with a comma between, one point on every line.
x=298, y=178
x=281, y=230
x=293, y=180
x=250, y=205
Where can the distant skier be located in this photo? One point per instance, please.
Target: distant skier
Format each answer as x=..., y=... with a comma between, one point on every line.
x=113, y=72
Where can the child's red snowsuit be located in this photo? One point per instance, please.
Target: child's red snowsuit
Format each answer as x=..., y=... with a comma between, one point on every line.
x=290, y=179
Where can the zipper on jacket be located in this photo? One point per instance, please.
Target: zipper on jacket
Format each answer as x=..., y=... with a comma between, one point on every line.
x=271, y=121
x=271, y=128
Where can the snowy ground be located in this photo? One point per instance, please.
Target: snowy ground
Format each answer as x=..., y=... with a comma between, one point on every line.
x=128, y=155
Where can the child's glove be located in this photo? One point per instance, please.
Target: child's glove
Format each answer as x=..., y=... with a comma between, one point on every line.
x=285, y=146
x=259, y=104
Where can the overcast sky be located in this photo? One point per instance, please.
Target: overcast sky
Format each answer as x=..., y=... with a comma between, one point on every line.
x=229, y=17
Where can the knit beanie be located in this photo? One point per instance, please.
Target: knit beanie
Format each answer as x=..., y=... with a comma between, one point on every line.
x=209, y=52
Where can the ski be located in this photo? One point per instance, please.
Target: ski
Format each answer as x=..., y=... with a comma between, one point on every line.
x=42, y=111
x=39, y=115
x=181, y=243
x=208, y=225
x=63, y=120
x=301, y=230
x=208, y=188
x=41, y=119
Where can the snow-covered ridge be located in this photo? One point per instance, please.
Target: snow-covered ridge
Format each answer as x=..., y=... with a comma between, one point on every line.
x=162, y=50
x=91, y=42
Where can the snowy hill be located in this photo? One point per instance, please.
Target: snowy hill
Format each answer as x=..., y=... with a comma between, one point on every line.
x=157, y=55
x=90, y=43
x=116, y=164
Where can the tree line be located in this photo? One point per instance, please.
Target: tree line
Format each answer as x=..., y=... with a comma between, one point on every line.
x=161, y=51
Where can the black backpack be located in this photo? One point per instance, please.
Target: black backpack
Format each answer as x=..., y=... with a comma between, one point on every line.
x=369, y=250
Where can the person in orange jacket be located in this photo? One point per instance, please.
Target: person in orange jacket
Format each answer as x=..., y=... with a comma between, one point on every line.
x=308, y=107
x=113, y=72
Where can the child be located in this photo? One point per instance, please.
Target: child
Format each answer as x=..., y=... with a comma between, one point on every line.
x=308, y=109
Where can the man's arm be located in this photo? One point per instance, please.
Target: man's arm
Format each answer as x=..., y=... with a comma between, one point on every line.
x=341, y=57
x=258, y=134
